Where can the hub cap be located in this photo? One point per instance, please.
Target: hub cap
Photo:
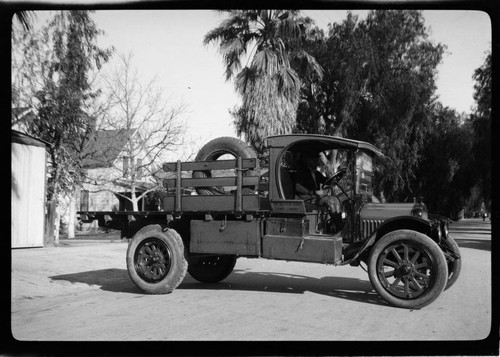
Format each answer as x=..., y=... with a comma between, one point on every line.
x=152, y=260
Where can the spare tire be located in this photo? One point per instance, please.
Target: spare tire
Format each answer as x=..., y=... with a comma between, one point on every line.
x=218, y=147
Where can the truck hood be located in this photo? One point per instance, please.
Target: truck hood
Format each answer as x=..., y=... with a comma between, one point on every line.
x=383, y=211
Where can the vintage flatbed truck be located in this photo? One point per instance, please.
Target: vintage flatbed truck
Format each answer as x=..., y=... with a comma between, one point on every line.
x=253, y=212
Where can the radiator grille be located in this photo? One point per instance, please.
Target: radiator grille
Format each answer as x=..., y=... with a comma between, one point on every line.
x=368, y=226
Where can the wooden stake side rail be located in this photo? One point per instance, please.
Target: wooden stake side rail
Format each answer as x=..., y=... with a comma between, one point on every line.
x=235, y=203
x=176, y=204
x=212, y=204
x=211, y=181
x=209, y=165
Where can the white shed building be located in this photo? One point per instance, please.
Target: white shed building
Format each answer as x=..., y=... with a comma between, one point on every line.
x=28, y=184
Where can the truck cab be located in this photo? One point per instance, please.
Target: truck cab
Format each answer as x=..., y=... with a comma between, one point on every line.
x=352, y=184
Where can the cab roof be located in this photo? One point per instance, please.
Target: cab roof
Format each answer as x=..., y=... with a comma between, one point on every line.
x=321, y=142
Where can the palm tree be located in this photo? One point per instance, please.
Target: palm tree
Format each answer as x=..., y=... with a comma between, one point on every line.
x=269, y=41
x=25, y=18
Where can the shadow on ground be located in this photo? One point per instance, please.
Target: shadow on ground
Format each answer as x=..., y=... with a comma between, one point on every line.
x=337, y=287
x=470, y=230
x=115, y=280
x=474, y=244
x=118, y=280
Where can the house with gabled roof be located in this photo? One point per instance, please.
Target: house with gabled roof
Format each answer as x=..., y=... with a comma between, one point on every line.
x=105, y=147
x=108, y=162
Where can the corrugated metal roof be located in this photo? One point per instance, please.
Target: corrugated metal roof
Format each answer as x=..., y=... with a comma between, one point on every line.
x=23, y=138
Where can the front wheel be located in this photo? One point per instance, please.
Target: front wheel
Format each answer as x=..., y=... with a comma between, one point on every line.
x=407, y=269
x=452, y=254
x=155, y=260
x=211, y=269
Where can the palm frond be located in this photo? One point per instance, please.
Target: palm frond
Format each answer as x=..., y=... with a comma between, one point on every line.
x=232, y=45
x=266, y=61
x=288, y=82
x=25, y=18
x=231, y=51
x=245, y=80
x=312, y=67
x=233, y=64
x=289, y=28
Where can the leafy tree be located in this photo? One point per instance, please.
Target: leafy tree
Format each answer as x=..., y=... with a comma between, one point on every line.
x=269, y=40
x=51, y=74
x=327, y=106
x=444, y=176
x=66, y=92
x=448, y=176
x=30, y=51
x=378, y=86
x=481, y=124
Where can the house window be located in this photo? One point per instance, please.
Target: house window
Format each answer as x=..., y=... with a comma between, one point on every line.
x=84, y=200
x=126, y=165
x=139, y=167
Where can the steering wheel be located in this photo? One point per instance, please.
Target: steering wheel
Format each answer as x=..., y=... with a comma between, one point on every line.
x=335, y=178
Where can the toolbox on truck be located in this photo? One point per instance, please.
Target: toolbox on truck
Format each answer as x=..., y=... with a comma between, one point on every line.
x=225, y=237
x=311, y=248
x=289, y=239
x=292, y=227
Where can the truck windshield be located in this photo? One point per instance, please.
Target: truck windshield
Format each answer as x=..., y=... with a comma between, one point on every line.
x=364, y=173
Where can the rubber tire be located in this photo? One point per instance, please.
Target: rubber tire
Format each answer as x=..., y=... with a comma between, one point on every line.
x=204, y=273
x=178, y=266
x=214, y=149
x=455, y=267
x=433, y=249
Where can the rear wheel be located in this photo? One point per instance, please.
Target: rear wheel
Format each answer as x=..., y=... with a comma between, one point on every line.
x=407, y=269
x=211, y=269
x=155, y=260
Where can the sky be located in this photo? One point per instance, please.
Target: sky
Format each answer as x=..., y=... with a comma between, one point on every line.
x=168, y=44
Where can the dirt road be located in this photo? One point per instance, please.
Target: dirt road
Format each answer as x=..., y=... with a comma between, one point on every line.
x=82, y=292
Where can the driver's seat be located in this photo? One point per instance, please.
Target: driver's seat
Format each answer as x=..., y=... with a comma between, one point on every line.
x=287, y=183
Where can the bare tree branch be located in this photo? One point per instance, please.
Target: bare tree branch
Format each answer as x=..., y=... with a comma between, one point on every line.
x=139, y=127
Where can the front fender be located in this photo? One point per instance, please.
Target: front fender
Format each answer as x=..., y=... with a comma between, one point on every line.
x=396, y=223
x=407, y=222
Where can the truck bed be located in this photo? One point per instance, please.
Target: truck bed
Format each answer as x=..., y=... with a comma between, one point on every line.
x=175, y=204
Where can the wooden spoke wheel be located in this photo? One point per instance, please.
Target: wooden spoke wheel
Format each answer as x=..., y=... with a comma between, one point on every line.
x=407, y=269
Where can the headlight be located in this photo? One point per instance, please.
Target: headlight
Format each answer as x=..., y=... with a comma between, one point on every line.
x=444, y=227
x=417, y=210
x=439, y=231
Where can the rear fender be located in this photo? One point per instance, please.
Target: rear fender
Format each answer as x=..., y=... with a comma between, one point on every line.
x=149, y=228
